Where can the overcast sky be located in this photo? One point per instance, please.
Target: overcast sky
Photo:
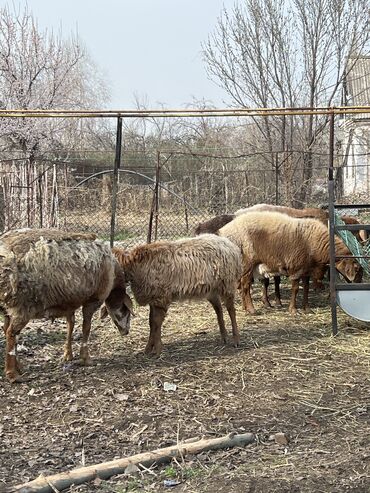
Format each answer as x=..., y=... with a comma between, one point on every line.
x=151, y=48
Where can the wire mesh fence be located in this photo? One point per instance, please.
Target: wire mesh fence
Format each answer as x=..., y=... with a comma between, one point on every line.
x=160, y=194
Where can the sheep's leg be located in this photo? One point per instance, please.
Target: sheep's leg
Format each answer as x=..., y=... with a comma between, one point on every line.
x=156, y=317
x=68, y=355
x=277, y=280
x=265, y=297
x=230, y=306
x=11, y=364
x=216, y=303
x=18, y=366
x=6, y=323
x=306, y=285
x=293, y=299
x=87, y=314
x=245, y=288
x=318, y=274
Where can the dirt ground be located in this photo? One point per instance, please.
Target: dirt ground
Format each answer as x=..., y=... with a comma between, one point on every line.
x=289, y=376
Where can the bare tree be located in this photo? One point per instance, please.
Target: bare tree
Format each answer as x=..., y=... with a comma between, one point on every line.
x=39, y=70
x=290, y=53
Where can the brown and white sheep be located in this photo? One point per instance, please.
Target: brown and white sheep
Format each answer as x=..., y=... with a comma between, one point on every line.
x=212, y=226
x=291, y=246
x=204, y=267
x=49, y=274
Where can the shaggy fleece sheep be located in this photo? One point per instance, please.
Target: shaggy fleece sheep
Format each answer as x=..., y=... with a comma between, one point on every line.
x=204, y=267
x=49, y=273
x=286, y=245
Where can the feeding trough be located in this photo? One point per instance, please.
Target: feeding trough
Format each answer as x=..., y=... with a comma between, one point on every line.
x=355, y=303
x=354, y=299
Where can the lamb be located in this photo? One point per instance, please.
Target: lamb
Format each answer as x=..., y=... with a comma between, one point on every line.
x=49, y=273
x=204, y=267
x=291, y=246
x=212, y=226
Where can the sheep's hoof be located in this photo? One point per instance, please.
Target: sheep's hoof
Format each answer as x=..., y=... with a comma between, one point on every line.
x=157, y=351
x=14, y=377
x=307, y=310
x=149, y=349
x=236, y=342
x=67, y=357
x=85, y=361
x=293, y=311
x=251, y=311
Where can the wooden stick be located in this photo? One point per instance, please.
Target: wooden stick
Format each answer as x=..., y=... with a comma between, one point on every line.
x=107, y=469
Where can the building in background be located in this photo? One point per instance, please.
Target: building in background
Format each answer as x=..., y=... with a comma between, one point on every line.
x=355, y=170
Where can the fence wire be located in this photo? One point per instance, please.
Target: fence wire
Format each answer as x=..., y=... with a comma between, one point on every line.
x=160, y=194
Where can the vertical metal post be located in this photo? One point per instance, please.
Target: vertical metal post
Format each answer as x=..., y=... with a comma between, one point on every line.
x=155, y=203
x=117, y=165
x=331, y=192
x=156, y=194
x=276, y=179
x=39, y=181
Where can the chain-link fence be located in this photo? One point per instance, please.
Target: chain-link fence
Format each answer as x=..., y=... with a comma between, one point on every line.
x=159, y=194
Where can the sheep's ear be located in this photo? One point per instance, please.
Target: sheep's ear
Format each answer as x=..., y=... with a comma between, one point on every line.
x=347, y=269
x=363, y=234
x=103, y=312
x=128, y=303
x=350, y=271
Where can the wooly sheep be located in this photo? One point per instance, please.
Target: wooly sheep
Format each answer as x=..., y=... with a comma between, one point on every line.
x=310, y=212
x=49, y=274
x=204, y=267
x=291, y=246
x=314, y=213
x=212, y=226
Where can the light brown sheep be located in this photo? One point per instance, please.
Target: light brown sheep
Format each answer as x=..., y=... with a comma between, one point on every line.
x=310, y=212
x=204, y=267
x=291, y=246
x=314, y=213
x=49, y=274
x=212, y=226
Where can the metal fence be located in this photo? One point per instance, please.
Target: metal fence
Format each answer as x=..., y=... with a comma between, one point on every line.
x=135, y=196
x=159, y=194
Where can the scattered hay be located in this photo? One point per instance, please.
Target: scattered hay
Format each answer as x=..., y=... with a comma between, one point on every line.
x=289, y=376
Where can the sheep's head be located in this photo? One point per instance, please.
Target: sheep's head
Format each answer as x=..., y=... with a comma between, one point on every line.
x=350, y=269
x=119, y=307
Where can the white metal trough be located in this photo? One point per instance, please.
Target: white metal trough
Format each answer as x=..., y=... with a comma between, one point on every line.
x=355, y=303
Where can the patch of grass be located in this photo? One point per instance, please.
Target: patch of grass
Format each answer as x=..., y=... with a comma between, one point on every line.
x=170, y=472
x=122, y=235
x=191, y=472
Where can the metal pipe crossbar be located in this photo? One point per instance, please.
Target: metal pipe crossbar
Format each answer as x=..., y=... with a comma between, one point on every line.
x=183, y=113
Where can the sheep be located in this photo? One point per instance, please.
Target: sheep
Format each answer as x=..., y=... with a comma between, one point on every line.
x=48, y=274
x=311, y=212
x=291, y=246
x=204, y=267
x=212, y=226
x=314, y=213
